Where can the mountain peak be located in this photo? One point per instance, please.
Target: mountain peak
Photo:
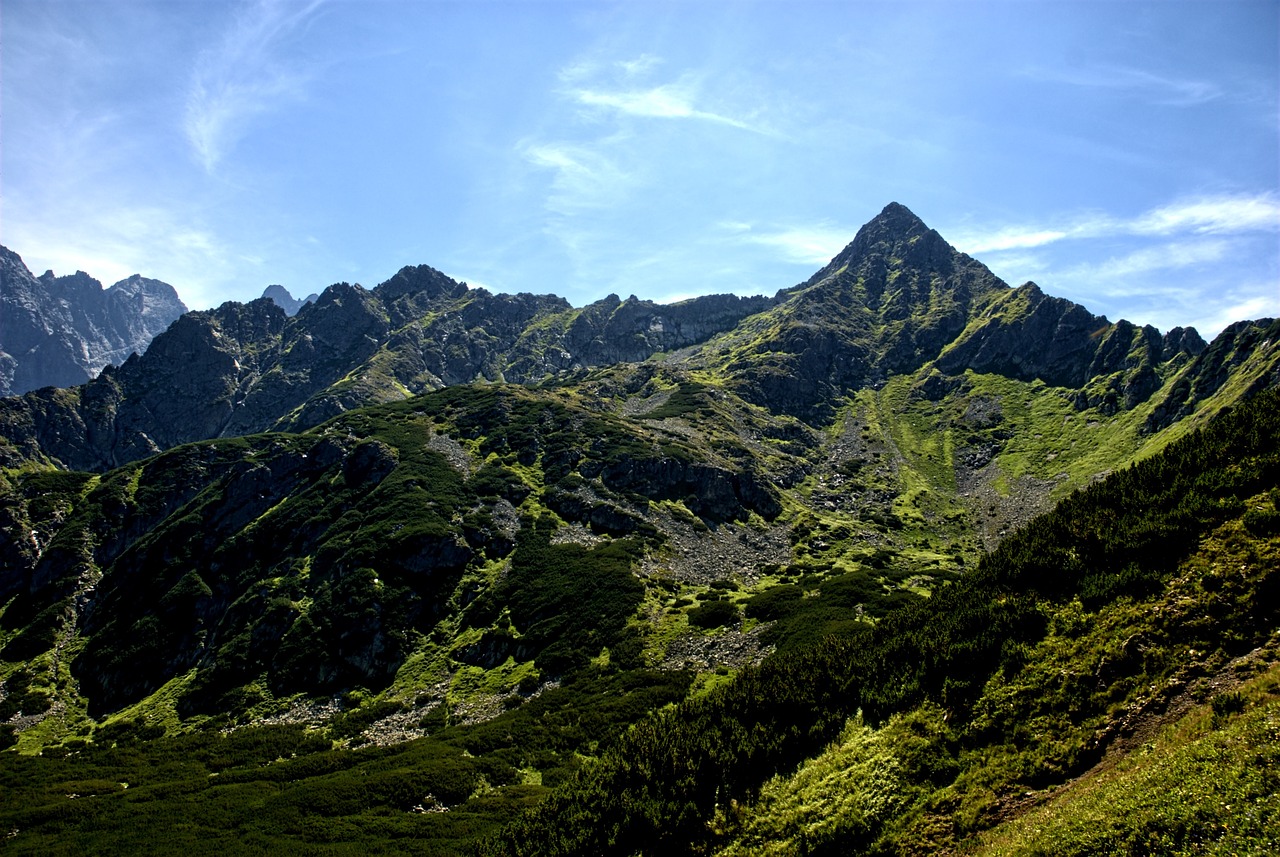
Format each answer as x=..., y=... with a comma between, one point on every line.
x=896, y=238
x=61, y=331
x=895, y=225
x=286, y=301
x=897, y=217
x=420, y=280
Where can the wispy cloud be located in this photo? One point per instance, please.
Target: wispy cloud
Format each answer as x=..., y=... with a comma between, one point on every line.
x=113, y=241
x=242, y=76
x=594, y=68
x=1160, y=89
x=618, y=87
x=1112, y=275
x=668, y=101
x=1216, y=215
x=640, y=65
x=1260, y=304
x=1213, y=215
x=585, y=177
x=1009, y=238
x=805, y=244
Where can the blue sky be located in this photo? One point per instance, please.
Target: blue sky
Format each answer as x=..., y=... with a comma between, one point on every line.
x=1122, y=154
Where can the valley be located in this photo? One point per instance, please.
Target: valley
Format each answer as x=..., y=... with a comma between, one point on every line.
x=878, y=564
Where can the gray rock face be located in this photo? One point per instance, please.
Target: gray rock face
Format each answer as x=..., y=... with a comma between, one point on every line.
x=1030, y=335
x=61, y=331
x=614, y=331
x=1247, y=350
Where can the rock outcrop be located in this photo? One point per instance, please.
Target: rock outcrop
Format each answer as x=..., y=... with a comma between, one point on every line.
x=1029, y=335
x=1247, y=352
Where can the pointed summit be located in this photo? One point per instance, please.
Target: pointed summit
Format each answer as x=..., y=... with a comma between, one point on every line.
x=285, y=300
x=887, y=303
x=895, y=221
x=894, y=236
x=898, y=247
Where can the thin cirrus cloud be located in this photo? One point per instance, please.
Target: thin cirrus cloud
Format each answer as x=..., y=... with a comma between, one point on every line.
x=802, y=245
x=585, y=178
x=625, y=96
x=1238, y=307
x=1213, y=215
x=242, y=76
x=668, y=101
x=1114, y=272
x=596, y=171
x=1160, y=89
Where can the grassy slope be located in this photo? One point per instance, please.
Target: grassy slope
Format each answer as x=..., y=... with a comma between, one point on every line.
x=1208, y=783
x=1012, y=680
x=880, y=482
x=836, y=550
x=1095, y=677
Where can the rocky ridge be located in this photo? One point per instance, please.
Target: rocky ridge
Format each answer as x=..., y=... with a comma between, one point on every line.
x=897, y=299
x=243, y=368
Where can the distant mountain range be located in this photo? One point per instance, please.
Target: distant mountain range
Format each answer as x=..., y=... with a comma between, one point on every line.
x=897, y=299
x=61, y=331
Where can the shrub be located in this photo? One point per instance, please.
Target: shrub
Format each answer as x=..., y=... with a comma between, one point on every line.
x=713, y=614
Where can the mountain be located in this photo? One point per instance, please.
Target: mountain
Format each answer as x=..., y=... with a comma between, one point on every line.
x=1113, y=666
x=901, y=542
x=287, y=302
x=899, y=297
x=896, y=299
x=61, y=331
x=1108, y=675
x=243, y=368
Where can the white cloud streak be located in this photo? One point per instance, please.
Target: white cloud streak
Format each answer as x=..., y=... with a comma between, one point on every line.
x=623, y=95
x=585, y=178
x=241, y=77
x=640, y=65
x=1113, y=273
x=804, y=245
x=1170, y=91
x=1211, y=215
x=1010, y=238
x=669, y=101
x=1239, y=307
